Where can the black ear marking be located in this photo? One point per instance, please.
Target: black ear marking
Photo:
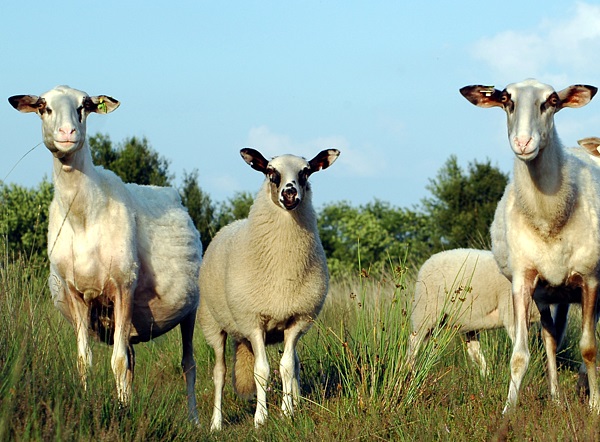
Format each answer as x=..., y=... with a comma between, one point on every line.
x=255, y=159
x=323, y=160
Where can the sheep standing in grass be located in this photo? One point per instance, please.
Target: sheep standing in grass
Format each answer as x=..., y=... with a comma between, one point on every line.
x=124, y=259
x=465, y=289
x=264, y=280
x=546, y=229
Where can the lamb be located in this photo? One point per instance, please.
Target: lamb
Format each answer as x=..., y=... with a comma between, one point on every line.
x=546, y=228
x=264, y=280
x=465, y=288
x=124, y=259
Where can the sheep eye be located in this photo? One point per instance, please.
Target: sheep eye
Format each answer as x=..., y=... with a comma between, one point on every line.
x=80, y=113
x=88, y=104
x=303, y=176
x=552, y=101
x=274, y=176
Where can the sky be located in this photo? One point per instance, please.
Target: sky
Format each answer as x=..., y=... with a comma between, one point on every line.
x=377, y=80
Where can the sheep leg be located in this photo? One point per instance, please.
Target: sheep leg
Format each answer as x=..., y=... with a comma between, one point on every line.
x=120, y=362
x=219, y=372
x=261, y=376
x=81, y=320
x=587, y=343
x=549, y=336
x=522, y=288
x=296, y=379
x=474, y=351
x=415, y=340
x=188, y=364
x=289, y=368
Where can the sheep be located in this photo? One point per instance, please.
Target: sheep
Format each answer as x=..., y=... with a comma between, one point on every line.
x=264, y=279
x=465, y=289
x=124, y=259
x=546, y=227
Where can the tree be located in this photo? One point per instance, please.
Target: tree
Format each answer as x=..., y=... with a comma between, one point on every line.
x=371, y=235
x=24, y=218
x=462, y=206
x=134, y=160
x=236, y=207
x=199, y=206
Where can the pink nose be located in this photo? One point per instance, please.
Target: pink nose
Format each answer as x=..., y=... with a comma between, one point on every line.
x=523, y=142
x=66, y=130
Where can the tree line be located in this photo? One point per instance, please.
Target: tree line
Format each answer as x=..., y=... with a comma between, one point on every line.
x=457, y=213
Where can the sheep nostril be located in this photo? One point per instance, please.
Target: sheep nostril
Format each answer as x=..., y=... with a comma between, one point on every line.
x=290, y=191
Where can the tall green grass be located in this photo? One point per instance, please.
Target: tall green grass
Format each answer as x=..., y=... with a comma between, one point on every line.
x=355, y=380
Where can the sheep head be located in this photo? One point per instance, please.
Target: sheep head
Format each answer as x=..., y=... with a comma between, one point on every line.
x=288, y=174
x=63, y=111
x=530, y=107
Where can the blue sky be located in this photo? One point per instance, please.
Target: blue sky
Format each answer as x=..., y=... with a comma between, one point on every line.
x=377, y=80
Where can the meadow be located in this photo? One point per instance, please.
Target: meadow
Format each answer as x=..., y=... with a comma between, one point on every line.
x=355, y=381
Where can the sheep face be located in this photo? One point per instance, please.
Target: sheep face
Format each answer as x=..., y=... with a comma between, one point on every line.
x=530, y=107
x=288, y=174
x=63, y=111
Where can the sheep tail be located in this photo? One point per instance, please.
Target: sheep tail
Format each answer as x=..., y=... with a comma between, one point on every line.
x=243, y=370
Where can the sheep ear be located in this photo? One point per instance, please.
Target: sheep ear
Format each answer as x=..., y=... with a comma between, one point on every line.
x=27, y=103
x=102, y=104
x=255, y=159
x=591, y=145
x=577, y=95
x=482, y=96
x=323, y=160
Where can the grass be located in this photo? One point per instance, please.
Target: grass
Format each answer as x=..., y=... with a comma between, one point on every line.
x=355, y=381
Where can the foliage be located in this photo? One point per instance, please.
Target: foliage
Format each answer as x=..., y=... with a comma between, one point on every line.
x=236, y=207
x=199, y=206
x=24, y=218
x=462, y=205
x=372, y=234
x=134, y=160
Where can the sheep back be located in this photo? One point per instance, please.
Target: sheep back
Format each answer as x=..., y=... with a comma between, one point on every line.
x=465, y=285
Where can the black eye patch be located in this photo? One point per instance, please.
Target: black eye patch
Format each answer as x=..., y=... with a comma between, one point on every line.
x=506, y=100
x=274, y=176
x=303, y=176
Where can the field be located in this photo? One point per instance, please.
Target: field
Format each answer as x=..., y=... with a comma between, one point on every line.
x=355, y=382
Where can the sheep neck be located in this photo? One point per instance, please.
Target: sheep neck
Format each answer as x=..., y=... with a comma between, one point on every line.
x=272, y=227
x=75, y=185
x=544, y=187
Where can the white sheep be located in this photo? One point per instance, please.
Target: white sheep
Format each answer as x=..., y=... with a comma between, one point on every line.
x=124, y=259
x=546, y=229
x=465, y=289
x=264, y=280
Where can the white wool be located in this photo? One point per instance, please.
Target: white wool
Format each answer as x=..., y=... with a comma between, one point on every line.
x=264, y=279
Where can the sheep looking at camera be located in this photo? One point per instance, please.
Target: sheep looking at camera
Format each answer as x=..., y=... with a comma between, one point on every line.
x=124, y=259
x=546, y=229
x=264, y=280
